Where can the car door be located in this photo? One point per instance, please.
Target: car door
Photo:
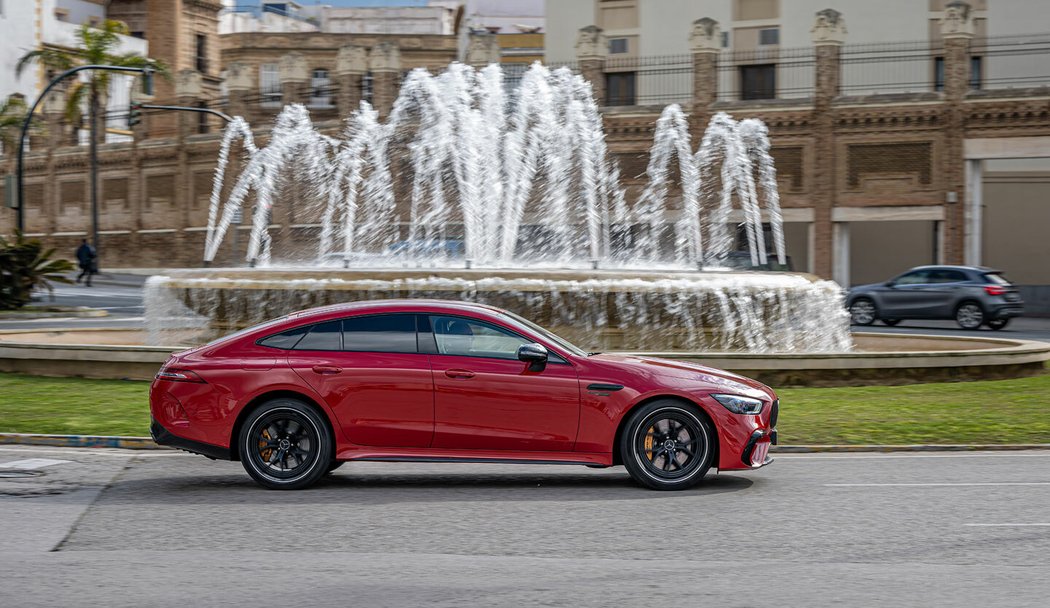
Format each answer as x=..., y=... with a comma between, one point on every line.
x=486, y=399
x=907, y=297
x=370, y=372
x=947, y=286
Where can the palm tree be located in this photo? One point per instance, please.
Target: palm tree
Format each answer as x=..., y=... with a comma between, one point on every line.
x=96, y=48
x=12, y=113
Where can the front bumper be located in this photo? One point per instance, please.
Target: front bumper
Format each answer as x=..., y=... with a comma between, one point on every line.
x=165, y=437
x=756, y=452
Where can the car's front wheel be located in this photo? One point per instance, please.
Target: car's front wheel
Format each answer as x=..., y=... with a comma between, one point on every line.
x=862, y=312
x=285, y=445
x=667, y=445
x=969, y=315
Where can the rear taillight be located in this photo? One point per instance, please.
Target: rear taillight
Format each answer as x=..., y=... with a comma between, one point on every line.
x=994, y=290
x=172, y=374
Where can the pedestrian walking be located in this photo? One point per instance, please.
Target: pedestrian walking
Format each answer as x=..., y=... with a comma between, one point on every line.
x=86, y=258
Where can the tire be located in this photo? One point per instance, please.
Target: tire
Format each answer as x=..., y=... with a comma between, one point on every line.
x=285, y=445
x=862, y=312
x=335, y=464
x=969, y=315
x=662, y=424
x=890, y=322
x=998, y=324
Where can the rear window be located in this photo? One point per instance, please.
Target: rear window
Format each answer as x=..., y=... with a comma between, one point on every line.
x=996, y=279
x=285, y=340
x=323, y=336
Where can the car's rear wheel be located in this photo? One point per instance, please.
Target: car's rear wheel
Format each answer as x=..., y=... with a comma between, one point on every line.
x=667, y=445
x=969, y=315
x=862, y=312
x=890, y=322
x=998, y=324
x=335, y=464
x=285, y=445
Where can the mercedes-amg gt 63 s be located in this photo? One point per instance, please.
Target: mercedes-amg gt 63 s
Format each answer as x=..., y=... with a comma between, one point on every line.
x=437, y=381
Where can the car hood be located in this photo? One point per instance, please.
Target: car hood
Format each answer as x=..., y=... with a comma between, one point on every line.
x=676, y=371
x=868, y=287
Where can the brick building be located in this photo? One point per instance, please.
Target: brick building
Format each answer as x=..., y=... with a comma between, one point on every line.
x=870, y=183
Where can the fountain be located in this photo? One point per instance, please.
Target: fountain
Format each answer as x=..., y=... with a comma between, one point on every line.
x=511, y=199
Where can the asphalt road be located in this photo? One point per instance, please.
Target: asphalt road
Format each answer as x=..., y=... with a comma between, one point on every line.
x=120, y=528
x=124, y=305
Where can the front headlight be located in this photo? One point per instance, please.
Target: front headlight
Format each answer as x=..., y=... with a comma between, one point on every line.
x=739, y=405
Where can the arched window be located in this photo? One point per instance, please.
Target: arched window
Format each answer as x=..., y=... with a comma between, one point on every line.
x=320, y=89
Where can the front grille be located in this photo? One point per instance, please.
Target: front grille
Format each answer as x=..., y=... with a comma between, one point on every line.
x=773, y=413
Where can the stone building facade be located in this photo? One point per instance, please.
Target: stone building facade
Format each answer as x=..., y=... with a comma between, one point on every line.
x=867, y=183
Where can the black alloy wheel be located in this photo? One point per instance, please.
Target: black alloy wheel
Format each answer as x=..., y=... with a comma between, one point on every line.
x=285, y=445
x=969, y=315
x=862, y=312
x=998, y=324
x=667, y=445
x=890, y=322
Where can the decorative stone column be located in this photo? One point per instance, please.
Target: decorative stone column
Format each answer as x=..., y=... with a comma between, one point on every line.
x=54, y=108
x=351, y=64
x=482, y=50
x=957, y=30
x=706, y=43
x=591, y=50
x=828, y=35
x=294, y=73
x=239, y=86
x=384, y=61
x=188, y=92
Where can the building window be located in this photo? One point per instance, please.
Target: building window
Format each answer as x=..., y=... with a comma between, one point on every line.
x=320, y=89
x=769, y=36
x=619, y=89
x=367, y=88
x=725, y=40
x=202, y=119
x=270, y=85
x=758, y=81
x=975, y=73
x=938, y=73
x=617, y=45
x=202, y=53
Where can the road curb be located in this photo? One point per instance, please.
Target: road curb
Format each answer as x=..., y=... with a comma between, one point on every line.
x=147, y=443
x=80, y=441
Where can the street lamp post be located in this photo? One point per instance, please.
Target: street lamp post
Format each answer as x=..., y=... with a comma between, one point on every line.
x=147, y=86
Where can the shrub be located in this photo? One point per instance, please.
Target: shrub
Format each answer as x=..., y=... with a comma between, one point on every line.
x=24, y=266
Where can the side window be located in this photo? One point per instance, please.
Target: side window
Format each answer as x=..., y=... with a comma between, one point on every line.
x=285, y=340
x=470, y=338
x=918, y=277
x=323, y=336
x=954, y=276
x=380, y=333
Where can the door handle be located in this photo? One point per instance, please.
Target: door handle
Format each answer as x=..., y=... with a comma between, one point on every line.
x=327, y=369
x=459, y=373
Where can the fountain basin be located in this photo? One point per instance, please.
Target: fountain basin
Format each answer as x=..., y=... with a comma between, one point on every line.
x=603, y=310
x=877, y=359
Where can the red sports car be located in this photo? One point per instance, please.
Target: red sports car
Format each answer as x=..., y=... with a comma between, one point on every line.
x=436, y=381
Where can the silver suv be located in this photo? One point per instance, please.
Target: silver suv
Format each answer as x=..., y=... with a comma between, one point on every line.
x=972, y=295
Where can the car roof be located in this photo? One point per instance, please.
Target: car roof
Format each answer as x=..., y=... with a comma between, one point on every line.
x=982, y=269
x=394, y=305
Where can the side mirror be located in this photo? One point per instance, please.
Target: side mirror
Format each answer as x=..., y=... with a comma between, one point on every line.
x=535, y=355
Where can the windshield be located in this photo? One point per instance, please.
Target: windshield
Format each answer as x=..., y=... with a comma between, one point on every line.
x=562, y=342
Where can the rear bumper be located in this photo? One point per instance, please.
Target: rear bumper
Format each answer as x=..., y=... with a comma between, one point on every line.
x=1007, y=310
x=165, y=437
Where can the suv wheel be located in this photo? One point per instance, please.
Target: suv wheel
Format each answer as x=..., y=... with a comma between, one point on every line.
x=998, y=324
x=969, y=315
x=862, y=312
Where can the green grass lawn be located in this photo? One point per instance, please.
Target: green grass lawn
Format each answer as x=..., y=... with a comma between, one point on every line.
x=1001, y=411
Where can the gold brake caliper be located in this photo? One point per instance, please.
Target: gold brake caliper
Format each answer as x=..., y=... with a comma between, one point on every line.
x=265, y=451
x=649, y=443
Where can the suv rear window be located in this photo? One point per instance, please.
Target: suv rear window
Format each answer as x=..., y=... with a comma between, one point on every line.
x=996, y=279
